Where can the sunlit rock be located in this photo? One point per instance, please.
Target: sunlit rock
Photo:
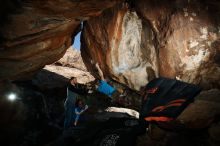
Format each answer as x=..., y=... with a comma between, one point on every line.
x=59, y=73
x=123, y=45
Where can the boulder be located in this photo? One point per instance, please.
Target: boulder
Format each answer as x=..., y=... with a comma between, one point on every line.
x=139, y=40
x=72, y=59
x=52, y=76
x=36, y=33
x=203, y=111
x=123, y=45
x=58, y=74
x=187, y=39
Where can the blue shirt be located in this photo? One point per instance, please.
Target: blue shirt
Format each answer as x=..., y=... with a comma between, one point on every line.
x=105, y=88
x=77, y=110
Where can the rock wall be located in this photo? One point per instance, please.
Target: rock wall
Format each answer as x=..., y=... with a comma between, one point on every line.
x=73, y=59
x=188, y=39
x=140, y=40
x=134, y=41
x=123, y=45
x=34, y=33
x=57, y=75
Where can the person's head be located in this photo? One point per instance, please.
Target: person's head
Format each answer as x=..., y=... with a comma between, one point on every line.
x=79, y=103
x=95, y=84
x=73, y=80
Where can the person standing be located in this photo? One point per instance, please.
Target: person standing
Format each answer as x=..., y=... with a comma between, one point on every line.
x=79, y=109
x=74, y=91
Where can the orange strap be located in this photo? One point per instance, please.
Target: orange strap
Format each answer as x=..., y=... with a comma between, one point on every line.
x=162, y=119
x=178, y=100
x=173, y=104
x=160, y=108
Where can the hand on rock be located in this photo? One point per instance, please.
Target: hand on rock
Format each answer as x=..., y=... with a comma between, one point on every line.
x=86, y=107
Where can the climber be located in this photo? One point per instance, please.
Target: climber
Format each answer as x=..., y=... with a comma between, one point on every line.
x=74, y=91
x=104, y=87
x=79, y=109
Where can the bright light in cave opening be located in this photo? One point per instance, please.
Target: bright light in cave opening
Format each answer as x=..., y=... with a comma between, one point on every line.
x=76, y=43
x=12, y=97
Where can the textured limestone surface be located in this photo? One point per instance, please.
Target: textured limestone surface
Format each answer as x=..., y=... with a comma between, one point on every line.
x=187, y=35
x=34, y=33
x=140, y=40
x=123, y=45
x=133, y=41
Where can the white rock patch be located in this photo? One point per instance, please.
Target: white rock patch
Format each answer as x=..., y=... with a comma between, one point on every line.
x=193, y=43
x=129, y=63
x=204, y=32
x=130, y=112
x=194, y=61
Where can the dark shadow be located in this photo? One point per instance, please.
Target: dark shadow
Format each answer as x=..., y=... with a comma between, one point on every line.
x=7, y=7
x=45, y=79
x=36, y=117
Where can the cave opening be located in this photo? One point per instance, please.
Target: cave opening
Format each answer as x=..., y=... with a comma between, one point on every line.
x=76, y=44
x=76, y=41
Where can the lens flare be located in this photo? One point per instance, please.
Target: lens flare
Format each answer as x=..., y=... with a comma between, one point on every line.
x=12, y=97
